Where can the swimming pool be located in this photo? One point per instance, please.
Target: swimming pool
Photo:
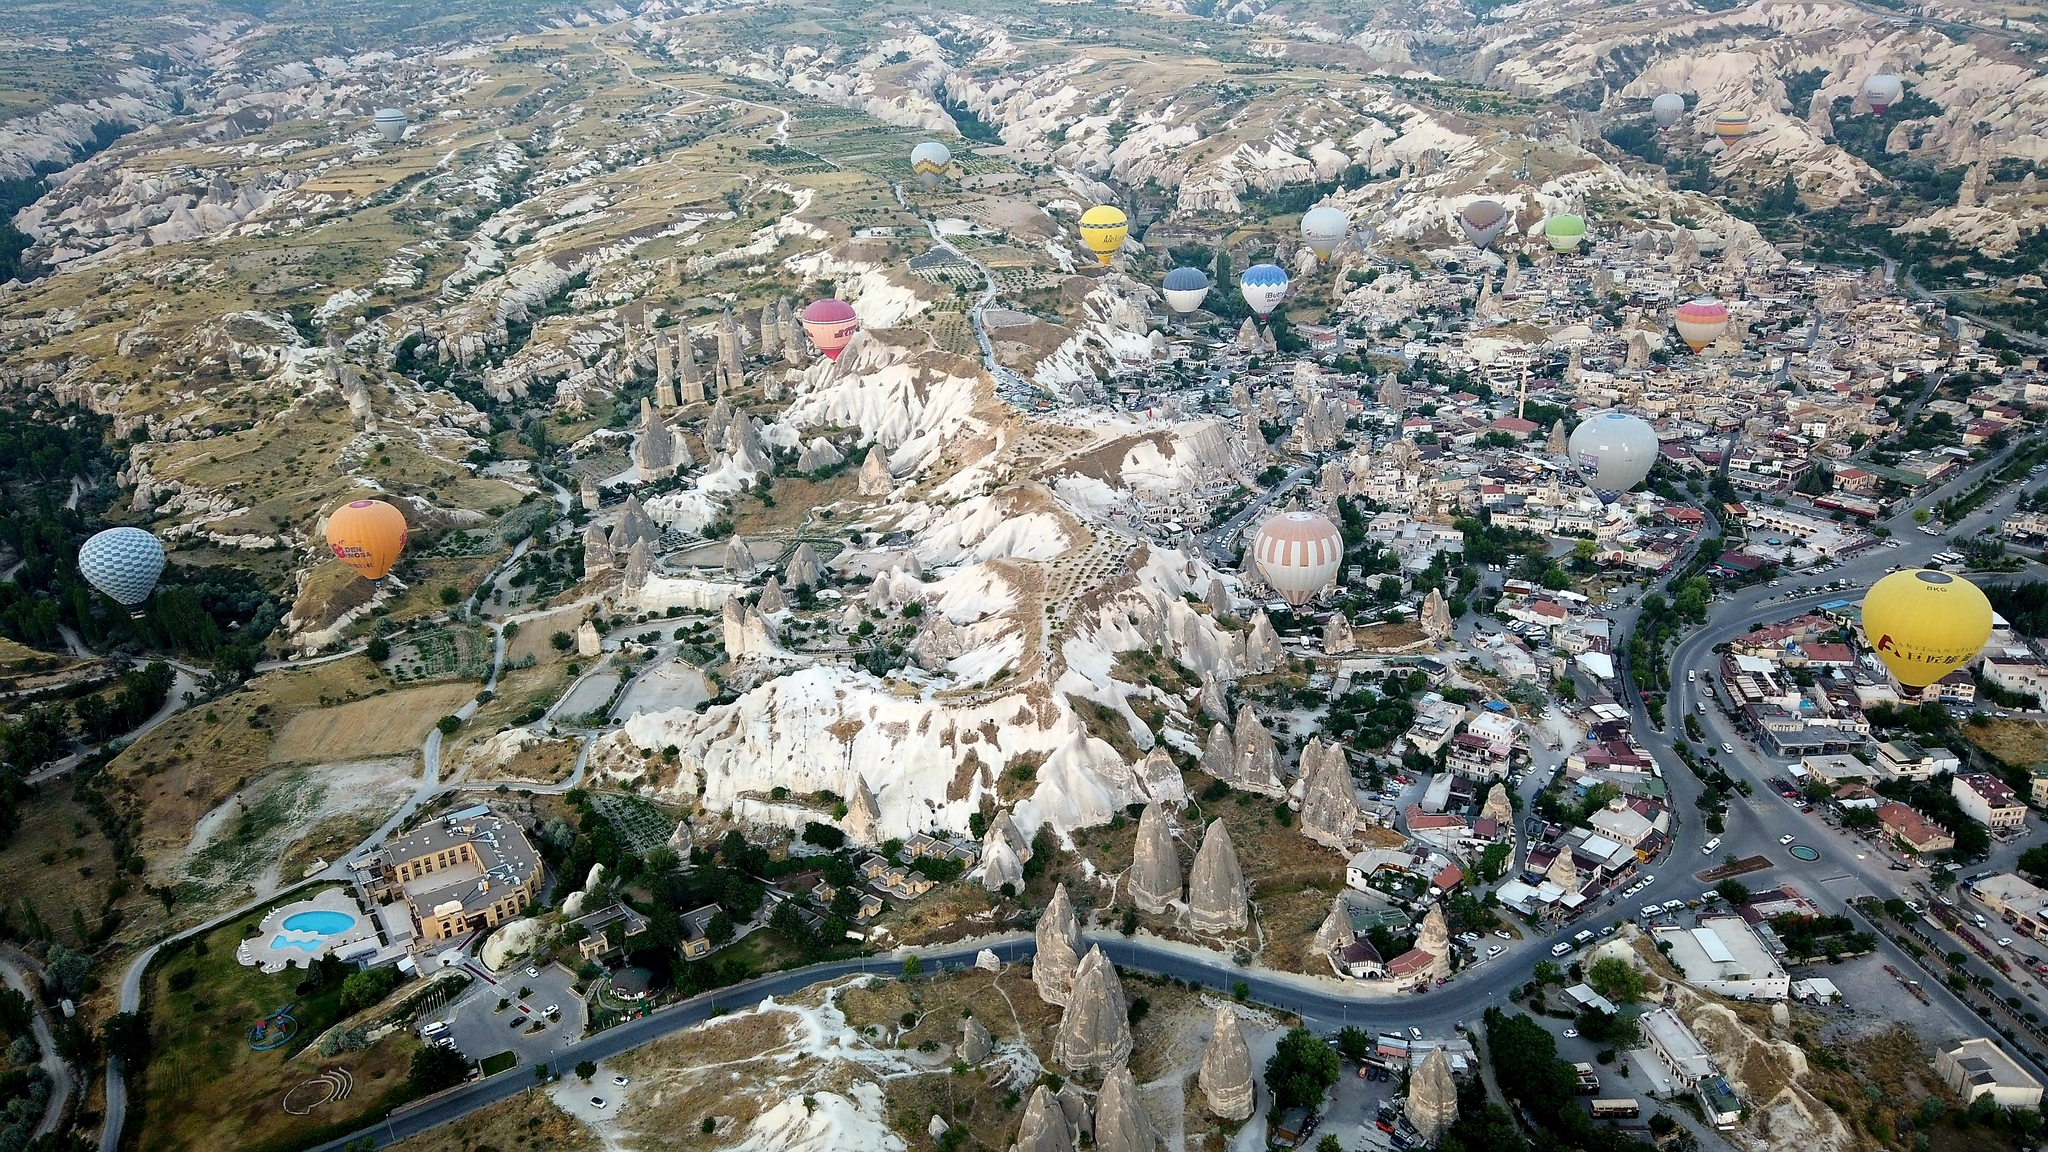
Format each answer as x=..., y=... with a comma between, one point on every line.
x=320, y=922
x=313, y=945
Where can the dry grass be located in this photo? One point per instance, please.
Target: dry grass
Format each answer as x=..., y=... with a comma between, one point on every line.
x=535, y=637
x=2021, y=743
x=527, y=1121
x=379, y=726
x=184, y=767
x=58, y=861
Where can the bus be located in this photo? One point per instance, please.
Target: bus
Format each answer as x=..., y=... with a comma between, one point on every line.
x=1625, y=1108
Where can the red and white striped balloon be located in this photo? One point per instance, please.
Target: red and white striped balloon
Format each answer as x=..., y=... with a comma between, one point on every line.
x=1298, y=553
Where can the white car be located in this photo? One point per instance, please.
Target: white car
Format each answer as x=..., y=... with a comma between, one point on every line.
x=597, y=1102
x=533, y=973
x=1571, y=1033
x=1415, y=1033
x=1504, y=934
x=1728, y=748
x=1494, y=951
x=2005, y=941
x=621, y=1081
x=1784, y=840
x=552, y=1011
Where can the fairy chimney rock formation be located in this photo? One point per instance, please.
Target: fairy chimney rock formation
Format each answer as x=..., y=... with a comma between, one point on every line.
x=1155, y=863
x=803, y=569
x=1059, y=940
x=1095, y=1030
x=1226, y=1075
x=1216, y=901
x=874, y=474
x=975, y=1042
x=1338, y=637
x=1219, y=755
x=999, y=863
x=1213, y=702
x=1432, y=1104
x=1120, y=1121
x=1217, y=597
x=771, y=598
x=1434, y=937
x=1436, y=615
x=1329, y=806
x=1159, y=776
x=863, y=822
x=1564, y=873
x=597, y=549
x=1262, y=651
x=1257, y=765
x=1045, y=1125
x=1497, y=808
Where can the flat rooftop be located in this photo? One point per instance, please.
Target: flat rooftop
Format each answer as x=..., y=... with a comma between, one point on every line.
x=1721, y=948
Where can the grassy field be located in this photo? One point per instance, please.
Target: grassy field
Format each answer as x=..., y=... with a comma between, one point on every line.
x=381, y=725
x=59, y=861
x=205, y=1087
x=2022, y=743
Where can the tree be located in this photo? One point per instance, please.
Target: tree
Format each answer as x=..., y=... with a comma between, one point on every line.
x=1616, y=979
x=1354, y=1043
x=1329, y=1144
x=364, y=989
x=2034, y=862
x=450, y=594
x=719, y=928
x=562, y=641
x=585, y=1069
x=126, y=1034
x=1301, y=1070
x=378, y=649
x=1493, y=860
x=1547, y=973
x=434, y=1068
x=1733, y=891
x=912, y=966
x=448, y=725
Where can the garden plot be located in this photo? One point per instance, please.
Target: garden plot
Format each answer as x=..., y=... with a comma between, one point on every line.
x=637, y=822
x=465, y=654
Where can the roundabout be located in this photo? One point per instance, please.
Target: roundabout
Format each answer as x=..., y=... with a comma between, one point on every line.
x=1802, y=852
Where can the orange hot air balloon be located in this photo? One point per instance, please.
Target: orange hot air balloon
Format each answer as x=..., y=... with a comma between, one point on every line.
x=830, y=324
x=1701, y=322
x=367, y=535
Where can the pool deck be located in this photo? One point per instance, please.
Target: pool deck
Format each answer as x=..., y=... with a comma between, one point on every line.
x=274, y=948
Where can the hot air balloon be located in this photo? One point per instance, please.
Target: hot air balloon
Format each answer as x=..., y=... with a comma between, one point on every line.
x=391, y=124
x=1667, y=108
x=1613, y=451
x=367, y=535
x=830, y=324
x=1925, y=625
x=1883, y=90
x=1482, y=220
x=1701, y=322
x=1731, y=127
x=1263, y=287
x=1564, y=232
x=1103, y=230
x=1186, y=288
x=1298, y=553
x=122, y=562
x=929, y=161
x=1322, y=229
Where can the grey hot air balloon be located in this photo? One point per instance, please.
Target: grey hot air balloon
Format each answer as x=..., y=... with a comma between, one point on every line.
x=122, y=562
x=391, y=124
x=1667, y=108
x=1323, y=228
x=1883, y=90
x=1482, y=221
x=1613, y=452
x=929, y=160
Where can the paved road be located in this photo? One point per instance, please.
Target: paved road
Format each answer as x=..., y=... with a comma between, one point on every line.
x=15, y=967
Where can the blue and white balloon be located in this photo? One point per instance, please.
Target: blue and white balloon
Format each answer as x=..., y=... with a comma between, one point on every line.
x=1263, y=287
x=122, y=562
x=1185, y=289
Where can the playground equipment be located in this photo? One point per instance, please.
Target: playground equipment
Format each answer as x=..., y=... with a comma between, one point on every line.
x=275, y=1030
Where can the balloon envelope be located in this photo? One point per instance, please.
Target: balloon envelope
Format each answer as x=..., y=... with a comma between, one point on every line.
x=1701, y=322
x=1883, y=90
x=367, y=535
x=929, y=160
x=1925, y=625
x=1482, y=221
x=391, y=123
x=1667, y=108
x=1103, y=230
x=1185, y=289
x=1263, y=287
x=830, y=324
x=1613, y=452
x=1298, y=553
x=1322, y=229
x=122, y=562
x=1564, y=232
x=1731, y=127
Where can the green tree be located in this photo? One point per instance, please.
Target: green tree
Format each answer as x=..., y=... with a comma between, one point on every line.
x=1354, y=1043
x=378, y=649
x=912, y=966
x=1493, y=860
x=448, y=725
x=1301, y=1070
x=585, y=1069
x=1546, y=973
x=1616, y=979
x=1733, y=891
x=434, y=1068
x=364, y=989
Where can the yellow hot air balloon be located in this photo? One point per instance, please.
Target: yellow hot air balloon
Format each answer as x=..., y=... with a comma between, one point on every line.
x=367, y=535
x=1103, y=230
x=1925, y=625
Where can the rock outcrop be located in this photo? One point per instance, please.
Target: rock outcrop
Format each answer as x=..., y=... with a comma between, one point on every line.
x=1498, y=808
x=1120, y=1121
x=975, y=1042
x=1257, y=762
x=1216, y=901
x=1219, y=755
x=1044, y=1128
x=862, y=824
x=1338, y=638
x=1226, y=1075
x=803, y=569
x=875, y=479
x=1095, y=1030
x=1154, y=878
x=1432, y=1103
x=1434, y=937
x=1059, y=943
x=1329, y=806
x=1159, y=776
x=1262, y=651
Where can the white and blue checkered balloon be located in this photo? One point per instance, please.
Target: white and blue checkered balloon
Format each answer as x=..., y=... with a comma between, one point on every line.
x=122, y=562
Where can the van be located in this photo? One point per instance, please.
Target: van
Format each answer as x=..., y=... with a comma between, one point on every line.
x=1703, y=707
x=435, y=1029
x=1711, y=847
x=1560, y=948
x=1583, y=938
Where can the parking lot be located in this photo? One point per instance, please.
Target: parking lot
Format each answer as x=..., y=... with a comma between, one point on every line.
x=480, y=1028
